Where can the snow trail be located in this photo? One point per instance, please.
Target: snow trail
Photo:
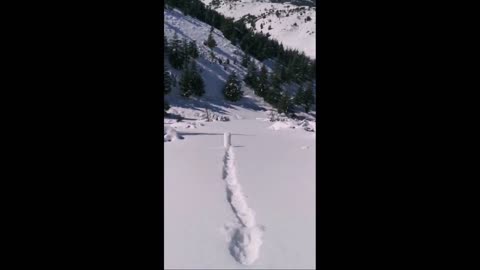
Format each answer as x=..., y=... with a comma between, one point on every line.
x=246, y=238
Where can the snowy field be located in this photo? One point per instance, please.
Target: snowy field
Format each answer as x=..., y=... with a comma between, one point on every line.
x=274, y=172
x=248, y=206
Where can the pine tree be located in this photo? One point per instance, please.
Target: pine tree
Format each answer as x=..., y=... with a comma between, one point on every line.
x=299, y=96
x=232, y=91
x=308, y=97
x=251, y=77
x=262, y=84
x=197, y=84
x=167, y=88
x=283, y=74
x=174, y=81
x=166, y=106
x=277, y=74
x=246, y=60
x=313, y=69
x=284, y=104
x=186, y=82
x=228, y=30
x=165, y=44
x=270, y=93
x=304, y=97
x=176, y=56
x=211, y=43
x=272, y=96
x=185, y=55
x=192, y=49
x=167, y=81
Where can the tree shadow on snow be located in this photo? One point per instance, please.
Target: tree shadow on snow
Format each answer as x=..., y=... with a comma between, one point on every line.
x=207, y=133
x=197, y=133
x=215, y=105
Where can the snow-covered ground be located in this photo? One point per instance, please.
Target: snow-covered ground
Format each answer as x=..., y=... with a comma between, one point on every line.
x=290, y=27
x=273, y=174
x=248, y=206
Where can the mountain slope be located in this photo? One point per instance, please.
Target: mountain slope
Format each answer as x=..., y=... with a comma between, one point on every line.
x=247, y=206
x=293, y=26
x=214, y=73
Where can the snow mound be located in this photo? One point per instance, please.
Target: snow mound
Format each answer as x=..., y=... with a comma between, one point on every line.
x=292, y=124
x=281, y=125
x=262, y=119
x=170, y=134
x=218, y=117
x=186, y=125
x=307, y=125
x=274, y=116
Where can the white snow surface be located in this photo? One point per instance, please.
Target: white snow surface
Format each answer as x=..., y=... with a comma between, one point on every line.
x=272, y=190
x=250, y=206
x=300, y=36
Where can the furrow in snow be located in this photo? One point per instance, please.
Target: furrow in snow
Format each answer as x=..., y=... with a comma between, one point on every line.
x=246, y=239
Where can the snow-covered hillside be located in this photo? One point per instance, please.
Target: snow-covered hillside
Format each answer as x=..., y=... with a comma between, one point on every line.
x=247, y=206
x=292, y=25
x=213, y=73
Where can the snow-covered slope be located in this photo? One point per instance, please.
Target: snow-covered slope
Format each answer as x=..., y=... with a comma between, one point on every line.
x=214, y=74
x=247, y=206
x=292, y=25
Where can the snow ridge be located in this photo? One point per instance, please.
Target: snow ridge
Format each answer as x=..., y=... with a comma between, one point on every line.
x=246, y=238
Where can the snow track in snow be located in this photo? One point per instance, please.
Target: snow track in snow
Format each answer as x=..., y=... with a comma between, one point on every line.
x=246, y=239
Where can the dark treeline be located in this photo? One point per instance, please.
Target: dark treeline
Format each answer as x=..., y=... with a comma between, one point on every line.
x=269, y=87
x=310, y=3
x=167, y=83
x=297, y=65
x=179, y=51
x=181, y=55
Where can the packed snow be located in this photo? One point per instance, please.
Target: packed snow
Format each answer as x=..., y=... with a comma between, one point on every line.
x=251, y=204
